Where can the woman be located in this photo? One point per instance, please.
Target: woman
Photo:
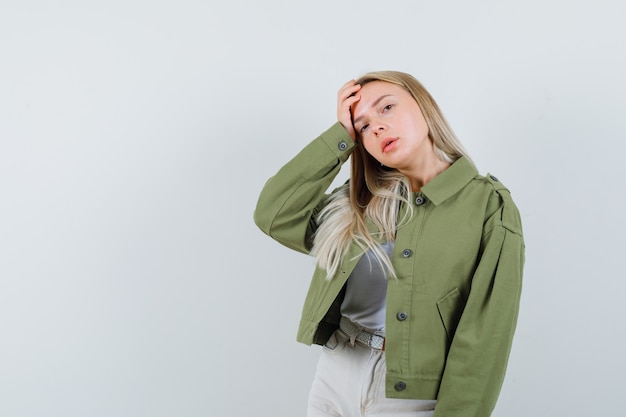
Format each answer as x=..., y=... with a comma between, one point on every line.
x=419, y=258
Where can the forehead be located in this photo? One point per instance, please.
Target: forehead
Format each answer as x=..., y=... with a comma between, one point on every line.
x=373, y=87
x=372, y=91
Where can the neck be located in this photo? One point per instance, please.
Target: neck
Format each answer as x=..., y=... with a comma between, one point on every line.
x=423, y=171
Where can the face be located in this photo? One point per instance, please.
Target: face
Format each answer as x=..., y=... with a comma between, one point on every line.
x=391, y=125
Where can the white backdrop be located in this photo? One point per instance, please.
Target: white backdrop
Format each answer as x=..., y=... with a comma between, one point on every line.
x=135, y=136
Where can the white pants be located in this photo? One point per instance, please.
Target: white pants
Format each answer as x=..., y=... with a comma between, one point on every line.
x=350, y=382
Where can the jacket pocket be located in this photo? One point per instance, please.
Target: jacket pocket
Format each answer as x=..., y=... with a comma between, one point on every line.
x=450, y=310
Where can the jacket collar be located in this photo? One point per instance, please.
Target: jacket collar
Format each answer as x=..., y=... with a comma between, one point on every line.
x=450, y=181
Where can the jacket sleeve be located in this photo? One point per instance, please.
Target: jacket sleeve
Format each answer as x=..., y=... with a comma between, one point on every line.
x=479, y=352
x=289, y=201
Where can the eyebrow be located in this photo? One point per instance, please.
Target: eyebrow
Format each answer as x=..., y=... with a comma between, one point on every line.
x=374, y=104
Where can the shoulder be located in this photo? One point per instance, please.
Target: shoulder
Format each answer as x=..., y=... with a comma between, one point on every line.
x=490, y=183
x=500, y=209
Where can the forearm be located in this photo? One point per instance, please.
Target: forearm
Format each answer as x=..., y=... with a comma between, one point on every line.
x=288, y=202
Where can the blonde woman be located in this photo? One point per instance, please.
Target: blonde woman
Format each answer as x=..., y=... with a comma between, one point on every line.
x=419, y=258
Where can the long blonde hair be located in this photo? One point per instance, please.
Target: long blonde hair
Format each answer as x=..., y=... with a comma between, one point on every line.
x=375, y=192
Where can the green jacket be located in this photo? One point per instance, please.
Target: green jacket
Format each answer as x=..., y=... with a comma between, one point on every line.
x=452, y=311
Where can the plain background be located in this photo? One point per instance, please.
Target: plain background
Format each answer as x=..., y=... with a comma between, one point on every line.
x=136, y=135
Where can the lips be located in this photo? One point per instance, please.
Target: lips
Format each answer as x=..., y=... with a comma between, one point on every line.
x=387, y=144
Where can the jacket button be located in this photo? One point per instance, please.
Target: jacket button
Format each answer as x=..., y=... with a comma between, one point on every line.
x=401, y=316
x=493, y=177
x=343, y=146
x=400, y=386
x=419, y=200
x=407, y=253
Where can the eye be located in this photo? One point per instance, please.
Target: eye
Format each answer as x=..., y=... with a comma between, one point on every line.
x=387, y=107
x=363, y=128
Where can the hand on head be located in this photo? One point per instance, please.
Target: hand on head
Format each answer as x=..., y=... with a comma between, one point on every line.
x=346, y=97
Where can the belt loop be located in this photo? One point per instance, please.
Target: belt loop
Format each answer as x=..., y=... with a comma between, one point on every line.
x=352, y=340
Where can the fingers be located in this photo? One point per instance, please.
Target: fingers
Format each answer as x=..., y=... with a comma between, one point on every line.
x=347, y=94
x=346, y=97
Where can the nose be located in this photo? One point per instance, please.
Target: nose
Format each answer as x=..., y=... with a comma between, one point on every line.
x=378, y=127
